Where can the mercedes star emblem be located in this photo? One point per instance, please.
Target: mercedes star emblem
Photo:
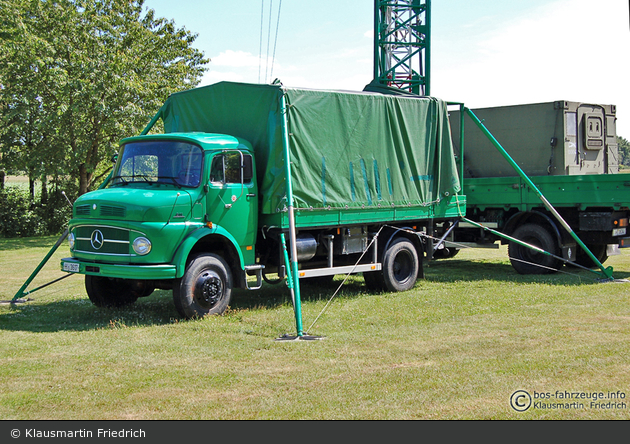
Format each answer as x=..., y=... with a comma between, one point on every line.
x=96, y=239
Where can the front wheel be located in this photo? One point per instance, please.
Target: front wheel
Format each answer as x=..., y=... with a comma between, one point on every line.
x=205, y=288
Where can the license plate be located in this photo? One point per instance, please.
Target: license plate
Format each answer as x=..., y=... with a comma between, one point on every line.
x=619, y=232
x=71, y=267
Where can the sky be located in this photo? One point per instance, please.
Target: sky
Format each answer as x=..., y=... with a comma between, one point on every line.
x=483, y=52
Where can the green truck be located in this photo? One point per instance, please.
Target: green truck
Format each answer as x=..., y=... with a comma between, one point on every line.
x=569, y=150
x=354, y=180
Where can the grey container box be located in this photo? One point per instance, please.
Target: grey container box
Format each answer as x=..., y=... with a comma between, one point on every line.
x=554, y=138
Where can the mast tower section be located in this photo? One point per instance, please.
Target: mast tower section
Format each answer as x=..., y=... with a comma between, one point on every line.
x=402, y=47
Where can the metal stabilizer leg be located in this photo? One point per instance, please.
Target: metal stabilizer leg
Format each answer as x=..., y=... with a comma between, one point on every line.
x=300, y=336
x=18, y=298
x=288, y=338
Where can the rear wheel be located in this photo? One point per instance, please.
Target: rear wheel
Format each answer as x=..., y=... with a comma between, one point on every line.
x=205, y=288
x=110, y=292
x=401, y=265
x=599, y=251
x=528, y=261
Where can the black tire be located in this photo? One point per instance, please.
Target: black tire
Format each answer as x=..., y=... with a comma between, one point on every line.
x=110, y=292
x=599, y=251
x=205, y=288
x=401, y=266
x=528, y=261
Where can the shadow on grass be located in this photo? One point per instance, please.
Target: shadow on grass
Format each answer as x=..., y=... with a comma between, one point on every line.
x=82, y=315
x=159, y=309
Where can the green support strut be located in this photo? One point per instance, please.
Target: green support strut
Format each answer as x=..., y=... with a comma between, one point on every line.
x=607, y=272
x=20, y=292
x=292, y=230
x=297, y=309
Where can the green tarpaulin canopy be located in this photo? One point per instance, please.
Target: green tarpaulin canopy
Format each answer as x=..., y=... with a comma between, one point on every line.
x=353, y=149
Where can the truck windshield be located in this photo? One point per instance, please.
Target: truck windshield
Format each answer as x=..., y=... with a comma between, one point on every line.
x=163, y=161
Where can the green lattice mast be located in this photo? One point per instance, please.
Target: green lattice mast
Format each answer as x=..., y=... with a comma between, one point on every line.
x=402, y=30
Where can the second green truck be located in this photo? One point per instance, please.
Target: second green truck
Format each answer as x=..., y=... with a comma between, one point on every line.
x=569, y=150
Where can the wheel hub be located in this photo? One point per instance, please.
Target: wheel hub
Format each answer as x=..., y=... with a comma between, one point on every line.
x=209, y=290
x=402, y=267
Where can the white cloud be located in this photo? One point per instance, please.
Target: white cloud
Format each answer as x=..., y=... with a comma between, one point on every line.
x=211, y=77
x=236, y=59
x=240, y=66
x=567, y=50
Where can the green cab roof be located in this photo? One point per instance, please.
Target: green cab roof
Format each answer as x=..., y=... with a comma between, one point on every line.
x=207, y=141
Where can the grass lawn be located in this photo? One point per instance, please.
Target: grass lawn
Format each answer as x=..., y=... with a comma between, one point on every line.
x=457, y=346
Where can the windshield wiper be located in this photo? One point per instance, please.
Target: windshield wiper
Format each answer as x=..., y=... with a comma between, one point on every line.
x=122, y=179
x=172, y=179
x=143, y=177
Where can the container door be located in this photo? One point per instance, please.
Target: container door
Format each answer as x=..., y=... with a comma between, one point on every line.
x=591, y=139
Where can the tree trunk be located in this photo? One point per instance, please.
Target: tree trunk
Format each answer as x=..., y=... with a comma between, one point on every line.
x=2, y=174
x=44, y=198
x=84, y=179
x=31, y=188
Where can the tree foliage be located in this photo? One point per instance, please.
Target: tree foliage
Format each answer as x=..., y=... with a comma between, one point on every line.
x=79, y=75
x=624, y=152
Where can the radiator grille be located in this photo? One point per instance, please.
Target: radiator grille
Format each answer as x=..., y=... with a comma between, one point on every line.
x=102, y=240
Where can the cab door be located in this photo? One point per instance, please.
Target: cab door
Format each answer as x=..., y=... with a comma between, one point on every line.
x=232, y=199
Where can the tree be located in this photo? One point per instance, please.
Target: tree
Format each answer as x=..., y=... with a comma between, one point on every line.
x=79, y=75
x=624, y=151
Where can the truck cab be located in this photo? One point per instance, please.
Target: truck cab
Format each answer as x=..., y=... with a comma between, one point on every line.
x=169, y=198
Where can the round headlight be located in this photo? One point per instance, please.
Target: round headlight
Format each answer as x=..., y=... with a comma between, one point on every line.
x=142, y=246
x=71, y=240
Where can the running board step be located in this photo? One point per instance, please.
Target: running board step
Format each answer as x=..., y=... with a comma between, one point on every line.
x=257, y=270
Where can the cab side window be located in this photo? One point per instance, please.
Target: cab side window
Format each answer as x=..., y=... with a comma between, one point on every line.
x=226, y=168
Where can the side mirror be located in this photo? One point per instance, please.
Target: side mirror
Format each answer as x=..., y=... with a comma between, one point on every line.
x=114, y=158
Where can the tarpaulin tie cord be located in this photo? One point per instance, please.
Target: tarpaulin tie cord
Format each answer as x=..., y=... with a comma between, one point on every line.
x=345, y=279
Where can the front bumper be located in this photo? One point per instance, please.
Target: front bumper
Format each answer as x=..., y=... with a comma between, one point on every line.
x=141, y=272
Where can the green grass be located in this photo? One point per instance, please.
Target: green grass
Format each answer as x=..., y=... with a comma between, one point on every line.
x=455, y=347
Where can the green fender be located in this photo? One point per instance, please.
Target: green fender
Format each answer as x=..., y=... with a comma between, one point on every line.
x=193, y=238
